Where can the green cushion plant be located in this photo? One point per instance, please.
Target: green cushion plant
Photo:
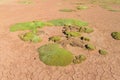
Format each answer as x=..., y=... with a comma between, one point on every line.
x=116, y=35
x=66, y=10
x=86, y=29
x=102, y=52
x=55, y=38
x=72, y=34
x=67, y=22
x=90, y=47
x=27, y=26
x=81, y=7
x=54, y=55
x=78, y=59
x=31, y=37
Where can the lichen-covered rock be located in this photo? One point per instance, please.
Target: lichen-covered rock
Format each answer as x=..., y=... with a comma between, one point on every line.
x=116, y=35
x=54, y=55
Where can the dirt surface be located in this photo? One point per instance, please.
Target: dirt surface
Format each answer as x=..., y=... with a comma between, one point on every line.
x=20, y=60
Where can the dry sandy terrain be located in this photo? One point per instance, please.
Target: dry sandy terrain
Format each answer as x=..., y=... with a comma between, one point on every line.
x=20, y=60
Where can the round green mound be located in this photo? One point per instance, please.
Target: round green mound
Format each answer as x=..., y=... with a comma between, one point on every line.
x=54, y=55
x=116, y=35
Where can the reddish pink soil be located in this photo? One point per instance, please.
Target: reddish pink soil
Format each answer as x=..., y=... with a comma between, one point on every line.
x=20, y=60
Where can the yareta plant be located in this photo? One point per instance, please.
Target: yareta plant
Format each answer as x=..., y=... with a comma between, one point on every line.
x=67, y=22
x=116, y=35
x=54, y=55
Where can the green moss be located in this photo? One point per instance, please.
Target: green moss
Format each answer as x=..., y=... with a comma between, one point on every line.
x=54, y=55
x=55, y=38
x=116, y=35
x=103, y=52
x=81, y=7
x=63, y=22
x=72, y=34
x=31, y=37
x=27, y=26
x=78, y=59
x=66, y=10
x=90, y=47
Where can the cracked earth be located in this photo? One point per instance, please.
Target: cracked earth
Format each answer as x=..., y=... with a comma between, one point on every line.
x=20, y=60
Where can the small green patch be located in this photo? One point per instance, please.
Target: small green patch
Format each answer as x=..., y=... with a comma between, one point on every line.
x=55, y=38
x=81, y=7
x=85, y=38
x=68, y=22
x=66, y=10
x=90, y=47
x=78, y=59
x=103, y=52
x=54, y=55
x=106, y=4
x=27, y=26
x=25, y=2
x=72, y=34
x=31, y=37
x=86, y=29
x=116, y=35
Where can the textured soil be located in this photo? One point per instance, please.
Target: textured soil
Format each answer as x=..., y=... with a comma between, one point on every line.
x=20, y=60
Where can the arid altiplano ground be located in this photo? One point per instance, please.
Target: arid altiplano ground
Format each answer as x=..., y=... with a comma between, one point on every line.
x=20, y=60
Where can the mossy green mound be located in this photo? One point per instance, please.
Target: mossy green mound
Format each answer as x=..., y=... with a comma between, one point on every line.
x=90, y=47
x=72, y=34
x=55, y=38
x=67, y=22
x=116, y=35
x=54, y=55
x=31, y=37
x=103, y=52
x=27, y=26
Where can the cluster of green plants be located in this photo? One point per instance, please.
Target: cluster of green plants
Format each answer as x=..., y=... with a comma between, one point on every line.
x=53, y=54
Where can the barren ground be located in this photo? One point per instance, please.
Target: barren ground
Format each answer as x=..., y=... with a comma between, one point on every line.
x=20, y=60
